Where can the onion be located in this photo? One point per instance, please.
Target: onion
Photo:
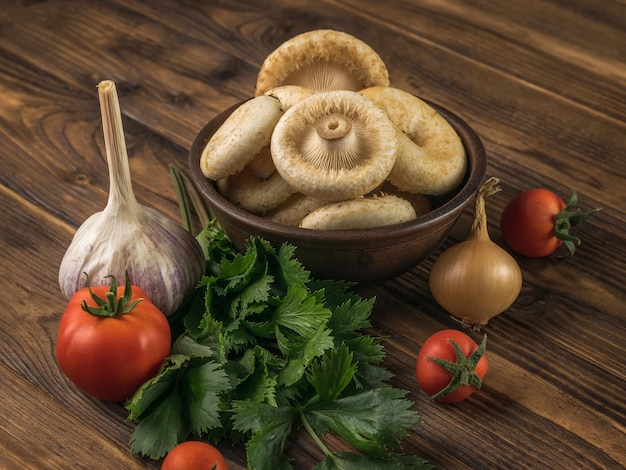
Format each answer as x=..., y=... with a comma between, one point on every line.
x=476, y=279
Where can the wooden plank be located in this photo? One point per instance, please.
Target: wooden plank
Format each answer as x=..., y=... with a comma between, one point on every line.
x=554, y=394
x=588, y=49
x=586, y=110
x=58, y=141
x=175, y=91
x=516, y=389
x=535, y=125
x=31, y=438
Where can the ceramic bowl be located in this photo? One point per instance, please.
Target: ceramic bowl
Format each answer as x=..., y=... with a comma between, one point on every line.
x=369, y=255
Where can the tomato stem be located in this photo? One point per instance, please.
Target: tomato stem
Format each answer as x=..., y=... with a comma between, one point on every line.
x=568, y=218
x=111, y=306
x=462, y=370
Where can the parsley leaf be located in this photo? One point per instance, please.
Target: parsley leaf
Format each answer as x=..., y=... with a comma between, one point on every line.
x=332, y=375
x=347, y=461
x=300, y=312
x=290, y=270
x=310, y=349
x=351, y=316
x=182, y=399
x=270, y=426
x=201, y=388
x=261, y=349
x=153, y=389
x=255, y=381
x=160, y=430
x=372, y=421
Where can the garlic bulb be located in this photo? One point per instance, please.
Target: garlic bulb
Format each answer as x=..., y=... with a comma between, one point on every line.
x=158, y=254
x=476, y=279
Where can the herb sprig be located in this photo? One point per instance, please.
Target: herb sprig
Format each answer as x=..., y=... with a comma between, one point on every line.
x=262, y=349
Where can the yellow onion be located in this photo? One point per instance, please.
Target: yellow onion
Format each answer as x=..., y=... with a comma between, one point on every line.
x=476, y=279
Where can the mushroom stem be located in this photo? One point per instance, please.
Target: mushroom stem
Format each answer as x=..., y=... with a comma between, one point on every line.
x=333, y=144
x=333, y=126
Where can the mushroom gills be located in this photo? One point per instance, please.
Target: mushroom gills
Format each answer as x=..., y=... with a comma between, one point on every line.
x=325, y=76
x=323, y=60
x=334, y=146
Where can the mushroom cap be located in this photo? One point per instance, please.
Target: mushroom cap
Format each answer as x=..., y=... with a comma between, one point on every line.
x=360, y=213
x=293, y=210
x=420, y=203
x=262, y=164
x=254, y=194
x=334, y=146
x=323, y=60
x=240, y=138
x=431, y=157
x=288, y=95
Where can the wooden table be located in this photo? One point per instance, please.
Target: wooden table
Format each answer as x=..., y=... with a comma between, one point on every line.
x=544, y=85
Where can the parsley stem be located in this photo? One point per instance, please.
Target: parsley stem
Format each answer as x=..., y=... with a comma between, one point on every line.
x=187, y=193
x=314, y=435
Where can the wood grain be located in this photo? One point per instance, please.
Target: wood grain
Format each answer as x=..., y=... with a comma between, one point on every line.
x=542, y=82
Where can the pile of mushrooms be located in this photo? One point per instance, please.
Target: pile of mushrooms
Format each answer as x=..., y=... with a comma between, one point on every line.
x=327, y=143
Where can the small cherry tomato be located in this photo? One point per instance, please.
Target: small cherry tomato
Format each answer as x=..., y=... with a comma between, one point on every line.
x=194, y=455
x=537, y=222
x=451, y=366
x=111, y=341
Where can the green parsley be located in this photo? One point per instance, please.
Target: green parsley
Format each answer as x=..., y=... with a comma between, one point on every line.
x=262, y=349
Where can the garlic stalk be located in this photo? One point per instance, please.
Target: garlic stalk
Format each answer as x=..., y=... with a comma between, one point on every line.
x=476, y=280
x=158, y=254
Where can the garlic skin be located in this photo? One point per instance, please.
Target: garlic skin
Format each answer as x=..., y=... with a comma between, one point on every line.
x=160, y=256
x=476, y=279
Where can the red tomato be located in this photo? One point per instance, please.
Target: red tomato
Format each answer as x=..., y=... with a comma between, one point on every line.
x=536, y=222
x=460, y=376
x=528, y=221
x=110, y=357
x=194, y=455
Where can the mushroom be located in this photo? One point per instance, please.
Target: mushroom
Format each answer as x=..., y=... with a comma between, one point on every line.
x=294, y=209
x=288, y=95
x=360, y=213
x=240, y=138
x=323, y=60
x=421, y=203
x=262, y=165
x=334, y=146
x=255, y=194
x=431, y=157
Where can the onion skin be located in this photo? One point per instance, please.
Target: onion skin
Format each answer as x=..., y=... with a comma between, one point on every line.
x=476, y=280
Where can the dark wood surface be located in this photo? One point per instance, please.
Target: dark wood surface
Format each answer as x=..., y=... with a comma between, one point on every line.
x=542, y=82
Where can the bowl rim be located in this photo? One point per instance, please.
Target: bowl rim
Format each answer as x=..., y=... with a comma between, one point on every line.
x=466, y=191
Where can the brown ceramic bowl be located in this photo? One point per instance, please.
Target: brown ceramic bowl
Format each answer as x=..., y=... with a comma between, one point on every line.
x=368, y=255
